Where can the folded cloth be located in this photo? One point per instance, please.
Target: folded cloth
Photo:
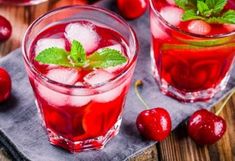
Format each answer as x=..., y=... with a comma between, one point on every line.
x=23, y=136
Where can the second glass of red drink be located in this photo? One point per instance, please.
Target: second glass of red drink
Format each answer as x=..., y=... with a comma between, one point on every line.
x=192, y=54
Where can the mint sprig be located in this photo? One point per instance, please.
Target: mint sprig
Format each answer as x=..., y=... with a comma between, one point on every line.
x=77, y=58
x=211, y=11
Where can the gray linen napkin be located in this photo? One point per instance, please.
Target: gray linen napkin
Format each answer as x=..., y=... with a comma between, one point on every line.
x=24, y=137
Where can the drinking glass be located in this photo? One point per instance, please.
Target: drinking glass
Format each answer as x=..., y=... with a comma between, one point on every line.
x=187, y=66
x=76, y=125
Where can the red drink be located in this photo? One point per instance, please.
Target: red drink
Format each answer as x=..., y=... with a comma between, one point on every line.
x=80, y=107
x=191, y=60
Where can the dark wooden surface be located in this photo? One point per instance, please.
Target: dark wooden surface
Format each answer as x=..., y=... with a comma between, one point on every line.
x=177, y=147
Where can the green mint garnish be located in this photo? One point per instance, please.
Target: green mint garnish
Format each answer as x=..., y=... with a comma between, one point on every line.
x=77, y=58
x=77, y=52
x=54, y=56
x=106, y=58
x=211, y=11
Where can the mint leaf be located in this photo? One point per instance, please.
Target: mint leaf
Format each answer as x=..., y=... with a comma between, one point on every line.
x=229, y=17
x=54, y=55
x=77, y=52
x=186, y=4
x=106, y=58
x=202, y=7
x=211, y=3
x=218, y=5
x=182, y=3
x=191, y=15
x=211, y=11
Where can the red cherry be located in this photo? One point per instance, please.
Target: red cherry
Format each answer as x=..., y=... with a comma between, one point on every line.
x=205, y=127
x=5, y=29
x=131, y=9
x=5, y=85
x=154, y=124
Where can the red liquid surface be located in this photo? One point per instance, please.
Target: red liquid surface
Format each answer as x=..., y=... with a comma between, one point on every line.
x=187, y=63
x=79, y=118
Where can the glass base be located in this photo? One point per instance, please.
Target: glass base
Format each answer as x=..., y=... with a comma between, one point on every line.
x=84, y=145
x=182, y=96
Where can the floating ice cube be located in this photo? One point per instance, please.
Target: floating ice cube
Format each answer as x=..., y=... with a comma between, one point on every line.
x=63, y=75
x=79, y=101
x=230, y=27
x=109, y=95
x=52, y=97
x=117, y=47
x=84, y=34
x=199, y=27
x=157, y=29
x=97, y=77
x=171, y=2
x=172, y=14
x=43, y=44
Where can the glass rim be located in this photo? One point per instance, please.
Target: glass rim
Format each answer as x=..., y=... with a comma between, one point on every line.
x=156, y=12
x=113, y=15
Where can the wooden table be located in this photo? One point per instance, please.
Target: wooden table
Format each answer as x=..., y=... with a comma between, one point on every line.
x=177, y=147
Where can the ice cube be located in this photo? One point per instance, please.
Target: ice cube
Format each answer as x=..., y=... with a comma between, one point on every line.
x=157, y=29
x=172, y=14
x=45, y=43
x=199, y=27
x=171, y=2
x=79, y=101
x=97, y=77
x=230, y=27
x=63, y=75
x=85, y=34
x=52, y=97
x=109, y=95
x=117, y=47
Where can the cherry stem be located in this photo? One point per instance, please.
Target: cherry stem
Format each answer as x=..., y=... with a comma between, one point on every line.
x=137, y=84
x=225, y=101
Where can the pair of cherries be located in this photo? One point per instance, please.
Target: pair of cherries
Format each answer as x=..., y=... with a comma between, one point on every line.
x=204, y=127
x=5, y=80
